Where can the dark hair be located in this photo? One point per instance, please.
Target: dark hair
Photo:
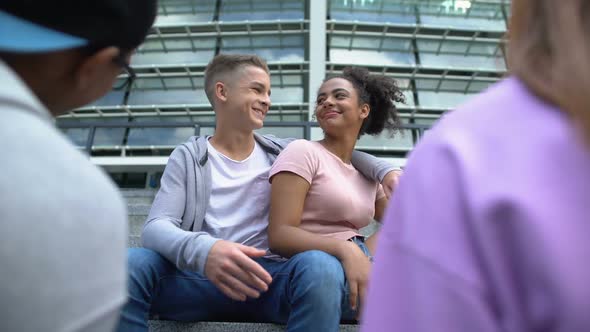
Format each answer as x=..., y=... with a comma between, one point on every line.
x=227, y=63
x=379, y=92
x=549, y=50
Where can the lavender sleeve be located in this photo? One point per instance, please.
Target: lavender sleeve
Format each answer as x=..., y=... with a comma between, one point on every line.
x=425, y=276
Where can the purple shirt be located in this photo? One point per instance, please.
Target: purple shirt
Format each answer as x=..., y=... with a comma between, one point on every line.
x=489, y=229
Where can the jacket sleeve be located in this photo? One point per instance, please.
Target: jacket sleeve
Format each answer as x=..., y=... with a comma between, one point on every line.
x=371, y=166
x=162, y=232
x=281, y=142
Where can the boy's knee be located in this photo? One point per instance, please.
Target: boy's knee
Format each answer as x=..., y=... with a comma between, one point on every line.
x=144, y=262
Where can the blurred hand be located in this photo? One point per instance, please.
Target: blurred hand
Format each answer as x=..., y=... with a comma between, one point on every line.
x=356, y=268
x=230, y=267
x=390, y=182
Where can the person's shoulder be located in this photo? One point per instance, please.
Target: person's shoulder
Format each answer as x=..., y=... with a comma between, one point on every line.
x=45, y=169
x=298, y=151
x=504, y=103
x=302, y=143
x=499, y=114
x=271, y=141
x=194, y=148
x=301, y=146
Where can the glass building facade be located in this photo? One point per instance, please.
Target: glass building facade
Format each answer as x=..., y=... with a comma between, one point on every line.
x=441, y=53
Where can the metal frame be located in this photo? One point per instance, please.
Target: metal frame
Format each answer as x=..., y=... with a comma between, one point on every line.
x=417, y=129
x=416, y=5
x=185, y=31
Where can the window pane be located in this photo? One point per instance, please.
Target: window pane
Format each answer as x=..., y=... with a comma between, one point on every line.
x=364, y=57
x=462, y=14
x=459, y=62
x=278, y=80
x=259, y=10
x=287, y=95
x=112, y=98
x=78, y=136
x=271, y=48
x=382, y=11
x=272, y=55
x=159, y=136
x=466, y=23
x=108, y=137
x=454, y=84
x=174, y=97
x=442, y=100
x=201, y=10
x=401, y=141
x=284, y=132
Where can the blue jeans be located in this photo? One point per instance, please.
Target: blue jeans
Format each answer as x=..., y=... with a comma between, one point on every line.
x=308, y=293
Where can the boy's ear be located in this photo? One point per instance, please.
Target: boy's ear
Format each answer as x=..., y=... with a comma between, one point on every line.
x=220, y=91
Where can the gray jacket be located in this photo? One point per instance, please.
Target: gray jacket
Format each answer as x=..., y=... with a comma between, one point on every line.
x=174, y=225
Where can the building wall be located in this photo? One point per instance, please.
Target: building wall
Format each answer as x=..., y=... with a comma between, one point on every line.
x=441, y=53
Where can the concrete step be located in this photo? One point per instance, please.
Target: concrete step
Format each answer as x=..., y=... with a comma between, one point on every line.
x=138, y=209
x=139, y=196
x=136, y=225
x=133, y=241
x=138, y=218
x=138, y=192
x=168, y=326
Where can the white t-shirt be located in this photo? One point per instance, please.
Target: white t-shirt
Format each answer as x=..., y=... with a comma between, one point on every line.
x=240, y=198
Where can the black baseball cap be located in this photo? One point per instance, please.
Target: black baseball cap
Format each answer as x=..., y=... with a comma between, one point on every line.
x=38, y=26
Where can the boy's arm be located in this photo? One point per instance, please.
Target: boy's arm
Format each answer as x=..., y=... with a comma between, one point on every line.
x=377, y=169
x=162, y=232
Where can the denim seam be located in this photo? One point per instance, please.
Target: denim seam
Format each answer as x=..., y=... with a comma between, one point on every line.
x=183, y=277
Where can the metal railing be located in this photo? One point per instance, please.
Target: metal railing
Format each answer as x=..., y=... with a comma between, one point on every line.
x=416, y=129
x=92, y=126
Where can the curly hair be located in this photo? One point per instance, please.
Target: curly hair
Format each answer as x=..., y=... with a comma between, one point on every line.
x=379, y=92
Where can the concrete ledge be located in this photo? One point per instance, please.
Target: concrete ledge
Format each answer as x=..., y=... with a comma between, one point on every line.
x=138, y=192
x=130, y=164
x=157, y=163
x=168, y=326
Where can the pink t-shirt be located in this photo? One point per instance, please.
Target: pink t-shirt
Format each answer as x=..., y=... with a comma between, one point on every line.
x=340, y=200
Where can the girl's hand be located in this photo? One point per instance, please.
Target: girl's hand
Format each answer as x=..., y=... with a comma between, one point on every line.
x=356, y=268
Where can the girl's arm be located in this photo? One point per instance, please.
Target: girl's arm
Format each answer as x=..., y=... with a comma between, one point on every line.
x=288, y=192
x=380, y=206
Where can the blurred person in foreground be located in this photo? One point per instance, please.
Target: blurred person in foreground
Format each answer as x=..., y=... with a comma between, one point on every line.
x=63, y=224
x=489, y=228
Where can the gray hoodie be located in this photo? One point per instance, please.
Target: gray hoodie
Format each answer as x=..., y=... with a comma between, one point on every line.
x=174, y=225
